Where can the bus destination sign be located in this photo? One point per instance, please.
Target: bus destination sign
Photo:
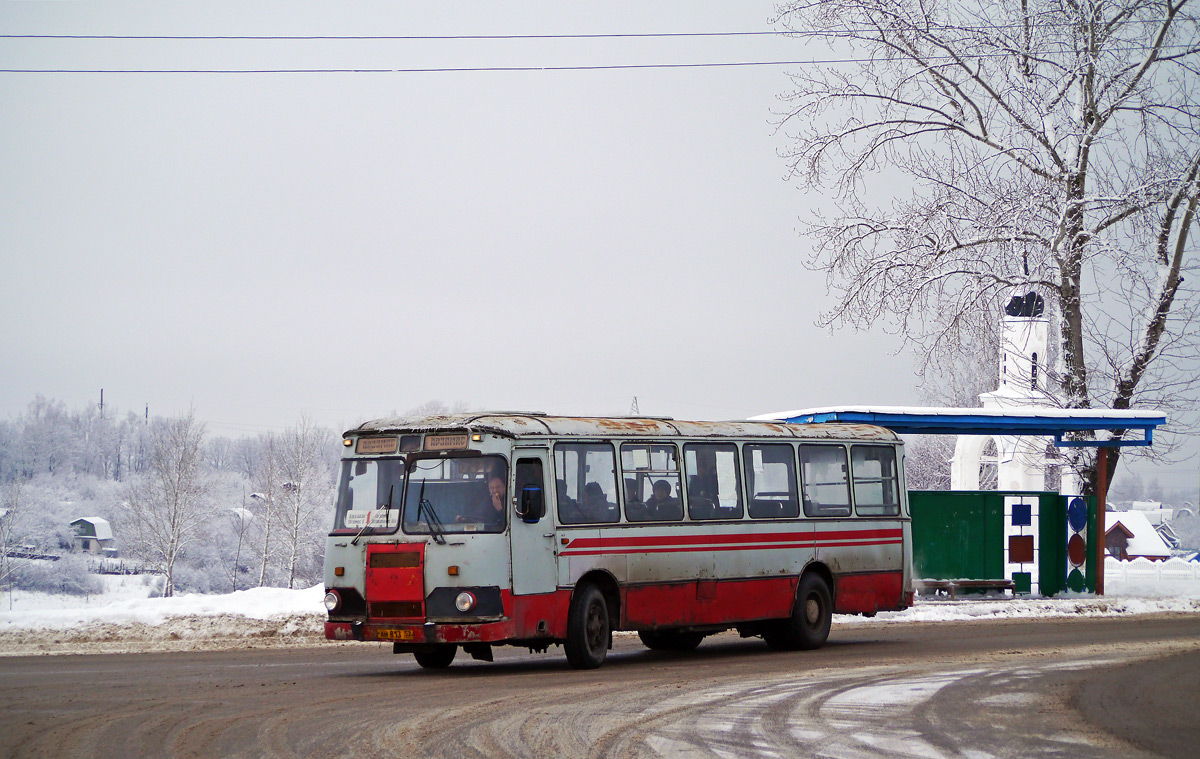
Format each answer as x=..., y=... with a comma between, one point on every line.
x=446, y=442
x=376, y=445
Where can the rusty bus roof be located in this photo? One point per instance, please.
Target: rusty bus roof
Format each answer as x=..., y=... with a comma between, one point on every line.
x=542, y=425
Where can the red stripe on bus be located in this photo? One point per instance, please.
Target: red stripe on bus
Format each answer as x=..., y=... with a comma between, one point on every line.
x=765, y=537
x=616, y=550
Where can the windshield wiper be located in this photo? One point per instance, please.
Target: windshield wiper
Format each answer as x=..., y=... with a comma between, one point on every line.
x=436, y=528
x=387, y=516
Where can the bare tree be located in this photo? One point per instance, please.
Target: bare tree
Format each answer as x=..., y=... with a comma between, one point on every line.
x=307, y=491
x=269, y=483
x=11, y=507
x=168, y=504
x=1050, y=146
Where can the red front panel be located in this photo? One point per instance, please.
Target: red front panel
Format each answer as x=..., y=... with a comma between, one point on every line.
x=395, y=580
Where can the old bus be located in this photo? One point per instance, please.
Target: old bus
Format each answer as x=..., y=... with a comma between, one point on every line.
x=475, y=530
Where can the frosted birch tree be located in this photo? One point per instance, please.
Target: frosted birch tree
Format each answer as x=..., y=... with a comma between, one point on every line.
x=11, y=507
x=307, y=495
x=168, y=504
x=977, y=148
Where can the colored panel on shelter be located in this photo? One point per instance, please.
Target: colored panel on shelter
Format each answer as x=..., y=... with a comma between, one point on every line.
x=1022, y=515
x=1020, y=549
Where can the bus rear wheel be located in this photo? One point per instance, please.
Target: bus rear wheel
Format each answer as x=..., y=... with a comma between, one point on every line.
x=670, y=640
x=437, y=657
x=588, y=630
x=812, y=615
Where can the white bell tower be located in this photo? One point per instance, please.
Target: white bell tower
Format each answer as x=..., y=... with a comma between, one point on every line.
x=1022, y=382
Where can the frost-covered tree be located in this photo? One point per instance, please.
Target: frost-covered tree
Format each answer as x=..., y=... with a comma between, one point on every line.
x=268, y=483
x=306, y=498
x=167, y=506
x=1040, y=144
x=12, y=507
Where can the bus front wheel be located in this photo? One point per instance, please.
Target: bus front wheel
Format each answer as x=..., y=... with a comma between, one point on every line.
x=438, y=656
x=808, y=627
x=588, y=631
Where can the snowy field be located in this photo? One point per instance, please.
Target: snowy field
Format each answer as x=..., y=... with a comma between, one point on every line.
x=124, y=619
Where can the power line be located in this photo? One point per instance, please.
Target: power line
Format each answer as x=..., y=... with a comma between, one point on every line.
x=385, y=37
x=569, y=36
x=483, y=69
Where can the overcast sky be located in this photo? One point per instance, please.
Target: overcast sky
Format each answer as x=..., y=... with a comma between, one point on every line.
x=343, y=245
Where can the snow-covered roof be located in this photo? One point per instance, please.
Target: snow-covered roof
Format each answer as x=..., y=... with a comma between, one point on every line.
x=100, y=527
x=540, y=425
x=1145, y=541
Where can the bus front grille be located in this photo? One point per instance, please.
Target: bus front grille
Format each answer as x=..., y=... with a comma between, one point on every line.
x=404, y=609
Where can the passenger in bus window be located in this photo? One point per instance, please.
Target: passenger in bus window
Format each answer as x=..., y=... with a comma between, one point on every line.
x=660, y=505
x=491, y=511
x=635, y=510
x=595, y=504
x=568, y=507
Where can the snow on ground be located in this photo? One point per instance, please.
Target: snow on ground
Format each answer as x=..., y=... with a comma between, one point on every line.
x=261, y=617
x=120, y=621
x=64, y=612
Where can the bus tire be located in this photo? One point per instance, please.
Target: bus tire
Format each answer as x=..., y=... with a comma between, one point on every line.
x=670, y=640
x=438, y=656
x=812, y=614
x=588, y=630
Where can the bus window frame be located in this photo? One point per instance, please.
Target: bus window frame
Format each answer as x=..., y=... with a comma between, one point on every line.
x=617, y=483
x=464, y=453
x=849, y=507
x=798, y=493
x=896, y=463
x=679, y=488
x=739, y=489
x=341, y=531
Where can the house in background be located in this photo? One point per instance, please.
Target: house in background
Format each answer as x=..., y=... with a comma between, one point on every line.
x=1131, y=536
x=94, y=535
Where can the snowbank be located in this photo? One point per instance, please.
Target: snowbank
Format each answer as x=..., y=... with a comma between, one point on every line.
x=257, y=603
x=1034, y=608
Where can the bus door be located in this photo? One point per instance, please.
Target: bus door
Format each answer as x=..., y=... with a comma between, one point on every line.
x=532, y=534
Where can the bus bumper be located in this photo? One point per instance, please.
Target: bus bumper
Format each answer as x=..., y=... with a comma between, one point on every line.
x=430, y=632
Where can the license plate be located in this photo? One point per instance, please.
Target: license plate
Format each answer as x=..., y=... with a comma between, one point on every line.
x=396, y=634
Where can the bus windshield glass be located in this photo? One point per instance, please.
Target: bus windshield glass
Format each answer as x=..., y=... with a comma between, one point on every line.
x=369, y=492
x=467, y=494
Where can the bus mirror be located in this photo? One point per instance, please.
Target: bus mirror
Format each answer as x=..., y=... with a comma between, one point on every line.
x=532, y=507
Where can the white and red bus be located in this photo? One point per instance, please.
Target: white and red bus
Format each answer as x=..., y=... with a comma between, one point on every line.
x=475, y=530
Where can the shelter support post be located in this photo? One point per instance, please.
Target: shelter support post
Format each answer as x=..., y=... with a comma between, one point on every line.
x=1101, y=501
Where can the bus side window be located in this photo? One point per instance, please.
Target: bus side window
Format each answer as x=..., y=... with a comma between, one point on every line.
x=712, y=481
x=771, y=481
x=531, y=499
x=826, y=484
x=587, y=475
x=875, y=480
x=651, y=472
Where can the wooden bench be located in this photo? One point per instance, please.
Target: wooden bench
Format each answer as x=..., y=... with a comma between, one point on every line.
x=951, y=587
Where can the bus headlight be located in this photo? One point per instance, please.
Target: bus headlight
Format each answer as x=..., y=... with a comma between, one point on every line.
x=465, y=601
x=332, y=601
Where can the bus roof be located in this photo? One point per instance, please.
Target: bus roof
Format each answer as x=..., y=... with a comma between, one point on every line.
x=541, y=425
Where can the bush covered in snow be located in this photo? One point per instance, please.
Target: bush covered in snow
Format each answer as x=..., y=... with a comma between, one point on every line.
x=68, y=575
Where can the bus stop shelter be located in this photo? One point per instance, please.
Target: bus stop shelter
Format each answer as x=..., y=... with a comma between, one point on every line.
x=1070, y=428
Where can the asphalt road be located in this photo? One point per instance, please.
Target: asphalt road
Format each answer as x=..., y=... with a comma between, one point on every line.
x=1125, y=688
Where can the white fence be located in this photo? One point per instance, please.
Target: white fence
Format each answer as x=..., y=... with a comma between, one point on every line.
x=1142, y=577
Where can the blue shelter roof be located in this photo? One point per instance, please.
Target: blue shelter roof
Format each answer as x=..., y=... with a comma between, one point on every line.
x=1027, y=420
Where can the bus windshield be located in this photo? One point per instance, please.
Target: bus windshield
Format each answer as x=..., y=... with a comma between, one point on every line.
x=466, y=494
x=369, y=492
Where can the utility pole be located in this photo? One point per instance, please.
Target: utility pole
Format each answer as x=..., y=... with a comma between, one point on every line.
x=101, y=403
